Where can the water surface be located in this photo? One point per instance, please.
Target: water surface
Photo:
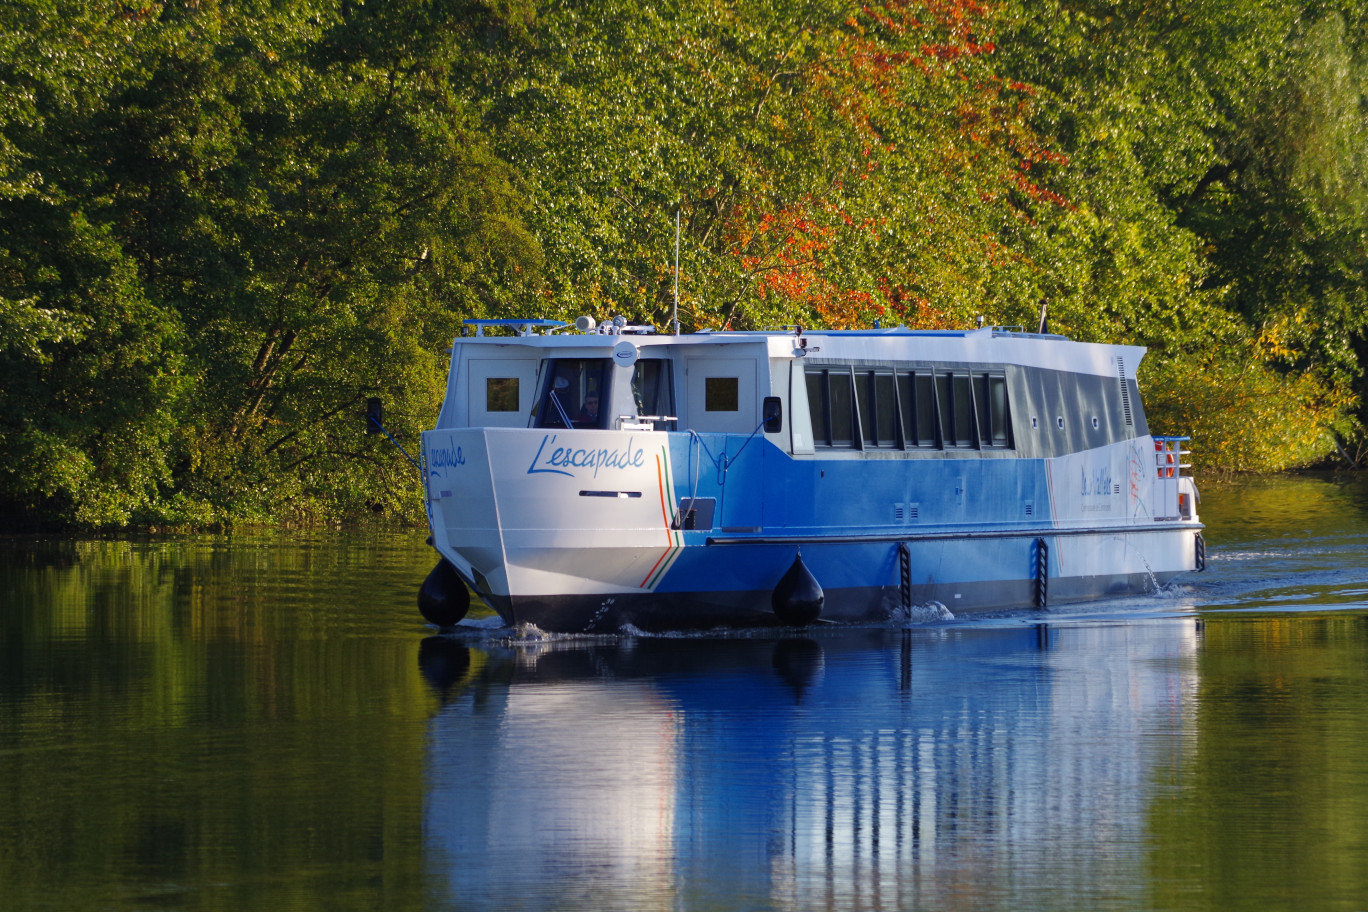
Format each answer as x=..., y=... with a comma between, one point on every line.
x=263, y=722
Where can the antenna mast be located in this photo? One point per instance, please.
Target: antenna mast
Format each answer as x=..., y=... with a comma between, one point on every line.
x=675, y=321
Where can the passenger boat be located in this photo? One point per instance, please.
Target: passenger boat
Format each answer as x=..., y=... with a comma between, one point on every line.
x=590, y=478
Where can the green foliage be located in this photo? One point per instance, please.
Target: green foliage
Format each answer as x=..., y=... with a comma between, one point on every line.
x=293, y=209
x=1216, y=150
x=224, y=225
x=1243, y=415
x=90, y=378
x=832, y=164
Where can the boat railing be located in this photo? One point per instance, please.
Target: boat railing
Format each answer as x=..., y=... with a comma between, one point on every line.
x=1168, y=456
x=516, y=326
x=587, y=325
x=1174, y=498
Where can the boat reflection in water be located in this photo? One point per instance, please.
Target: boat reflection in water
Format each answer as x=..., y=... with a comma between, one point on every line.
x=943, y=765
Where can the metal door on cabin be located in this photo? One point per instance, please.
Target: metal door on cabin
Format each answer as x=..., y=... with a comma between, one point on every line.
x=721, y=396
x=500, y=391
x=722, y=400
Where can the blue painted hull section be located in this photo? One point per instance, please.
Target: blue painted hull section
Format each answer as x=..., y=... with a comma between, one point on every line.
x=832, y=496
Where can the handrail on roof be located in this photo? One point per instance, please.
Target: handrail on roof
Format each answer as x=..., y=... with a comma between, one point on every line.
x=520, y=327
x=528, y=327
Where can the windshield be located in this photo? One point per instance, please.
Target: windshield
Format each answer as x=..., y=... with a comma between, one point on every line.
x=573, y=393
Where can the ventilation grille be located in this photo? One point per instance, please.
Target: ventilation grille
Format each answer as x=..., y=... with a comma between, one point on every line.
x=1125, y=391
x=905, y=512
x=1030, y=508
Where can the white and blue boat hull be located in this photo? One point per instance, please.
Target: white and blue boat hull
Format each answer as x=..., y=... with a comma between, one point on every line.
x=590, y=530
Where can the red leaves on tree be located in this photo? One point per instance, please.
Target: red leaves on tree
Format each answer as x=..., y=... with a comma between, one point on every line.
x=874, y=70
x=783, y=254
x=916, y=69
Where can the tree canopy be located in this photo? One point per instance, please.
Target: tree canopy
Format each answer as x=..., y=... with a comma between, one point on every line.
x=224, y=225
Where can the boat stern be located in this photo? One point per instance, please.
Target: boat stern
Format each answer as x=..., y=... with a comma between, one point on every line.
x=551, y=514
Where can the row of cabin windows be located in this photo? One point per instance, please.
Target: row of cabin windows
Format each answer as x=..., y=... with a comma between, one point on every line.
x=863, y=408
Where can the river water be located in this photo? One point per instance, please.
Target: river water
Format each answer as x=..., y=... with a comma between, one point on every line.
x=263, y=722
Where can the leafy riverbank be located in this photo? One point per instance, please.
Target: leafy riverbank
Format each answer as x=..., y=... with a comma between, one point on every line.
x=223, y=226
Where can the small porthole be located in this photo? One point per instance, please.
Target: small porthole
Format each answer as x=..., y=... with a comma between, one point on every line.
x=1035, y=425
x=1060, y=421
x=1095, y=422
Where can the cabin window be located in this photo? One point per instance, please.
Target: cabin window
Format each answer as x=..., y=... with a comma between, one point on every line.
x=817, y=407
x=864, y=395
x=832, y=404
x=983, y=411
x=722, y=394
x=944, y=409
x=955, y=405
x=907, y=402
x=917, y=394
x=501, y=394
x=886, y=408
x=1000, y=422
x=653, y=389
x=574, y=393
x=964, y=410
x=842, y=408
x=990, y=399
x=878, y=401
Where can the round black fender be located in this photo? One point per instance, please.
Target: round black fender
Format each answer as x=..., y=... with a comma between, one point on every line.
x=443, y=598
x=797, y=599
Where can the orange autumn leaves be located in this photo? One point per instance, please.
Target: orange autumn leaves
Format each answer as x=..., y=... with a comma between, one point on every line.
x=784, y=253
x=908, y=82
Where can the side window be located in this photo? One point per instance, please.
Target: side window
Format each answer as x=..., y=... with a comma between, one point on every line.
x=964, y=410
x=817, y=407
x=842, y=407
x=1001, y=422
x=653, y=389
x=945, y=410
x=908, y=404
x=983, y=409
x=864, y=395
x=917, y=395
x=990, y=399
x=831, y=401
x=573, y=393
x=955, y=405
x=926, y=409
x=878, y=407
x=884, y=412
